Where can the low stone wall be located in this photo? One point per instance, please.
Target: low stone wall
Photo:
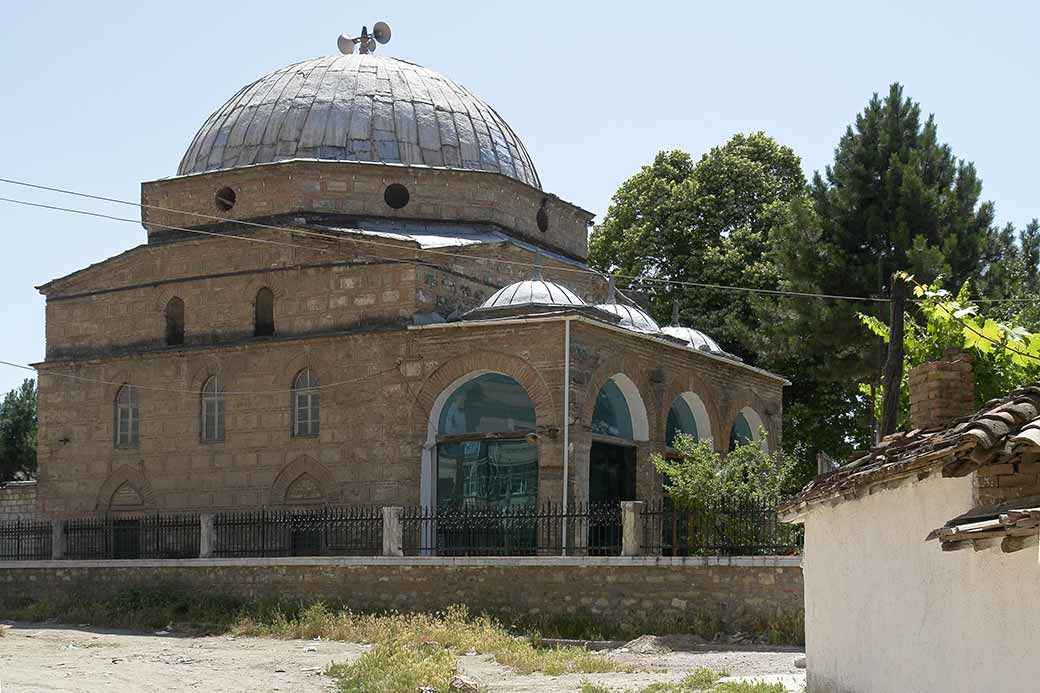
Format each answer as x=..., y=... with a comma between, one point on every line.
x=740, y=593
x=18, y=500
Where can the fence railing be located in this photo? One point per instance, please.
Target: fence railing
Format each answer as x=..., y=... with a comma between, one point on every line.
x=330, y=531
x=25, y=540
x=742, y=529
x=527, y=530
x=134, y=536
x=597, y=529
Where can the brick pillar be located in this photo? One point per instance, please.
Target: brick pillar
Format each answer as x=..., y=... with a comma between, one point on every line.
x=57, y=539
x=631, y=528
x=393, y=532
x=941, y=391
x=207, y=535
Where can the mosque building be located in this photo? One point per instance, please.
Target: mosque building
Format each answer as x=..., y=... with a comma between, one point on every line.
x=355, y=291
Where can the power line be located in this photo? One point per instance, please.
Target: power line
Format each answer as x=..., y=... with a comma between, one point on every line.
x=428, y=251
x=168, y=390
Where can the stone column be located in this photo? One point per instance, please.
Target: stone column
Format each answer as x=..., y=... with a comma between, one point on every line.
x=57, y=539
x=631, y=528
x=207, y=535
x=393, y=532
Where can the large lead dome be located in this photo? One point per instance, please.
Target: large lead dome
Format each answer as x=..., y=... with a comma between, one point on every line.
x=358, y=108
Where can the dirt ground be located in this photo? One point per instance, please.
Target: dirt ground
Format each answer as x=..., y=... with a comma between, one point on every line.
x=62, y=658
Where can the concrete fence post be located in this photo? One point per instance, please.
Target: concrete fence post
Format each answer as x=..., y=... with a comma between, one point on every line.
x=207, y=535
x=632, y=528
x=57, y=539
x=393, y=532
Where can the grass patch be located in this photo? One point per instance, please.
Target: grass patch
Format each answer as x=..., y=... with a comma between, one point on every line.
x=743, y=687
x=396, y=666
x=702, y=679
x=452, y=630
x=589, y=687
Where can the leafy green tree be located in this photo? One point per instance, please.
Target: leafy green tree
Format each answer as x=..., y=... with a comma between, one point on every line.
x=703, y=479
x=18, y=433
x=705, y=222
x=1004, y=355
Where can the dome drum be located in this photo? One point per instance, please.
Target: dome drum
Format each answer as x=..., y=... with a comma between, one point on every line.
x=360, y=189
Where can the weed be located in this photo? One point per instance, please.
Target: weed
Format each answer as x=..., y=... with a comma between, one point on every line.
x=589, y=687
x=396, y=666
x=745, y=687
x=701, y=680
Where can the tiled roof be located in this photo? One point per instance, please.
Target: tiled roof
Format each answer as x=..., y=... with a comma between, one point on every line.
x=1002, y=428
x=1013, y=525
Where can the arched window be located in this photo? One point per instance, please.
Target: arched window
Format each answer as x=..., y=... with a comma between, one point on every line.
x=611, y=416
x=212, y=411
x=746, y=428
x=127, y=418
x=483, y=457
x=263, y=318
x=687, y=415
x=306, y=404
x=174, y=322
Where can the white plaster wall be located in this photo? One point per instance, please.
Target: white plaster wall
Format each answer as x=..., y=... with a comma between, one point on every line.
x=886, y=611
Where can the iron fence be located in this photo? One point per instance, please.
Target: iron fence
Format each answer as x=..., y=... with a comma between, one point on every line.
x=742, y=529
x=525, y=530
x=133, y=536
x=25, y=540
x=329, y=531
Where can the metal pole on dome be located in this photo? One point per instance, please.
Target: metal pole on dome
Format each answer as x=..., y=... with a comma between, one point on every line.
x=537, y=273
x=611, y=289
x=675, y=312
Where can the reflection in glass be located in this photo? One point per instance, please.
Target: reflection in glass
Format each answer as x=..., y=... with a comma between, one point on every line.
x=611, y=416
x=680, y=420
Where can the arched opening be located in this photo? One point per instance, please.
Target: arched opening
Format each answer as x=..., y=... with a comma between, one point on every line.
x=483, y=458
x=687, y=415
x=263, y=317
x=306, y=404
x=211, y=414
x=747, y=428
x=618, y=420
x=174, y=322
x=127, y=418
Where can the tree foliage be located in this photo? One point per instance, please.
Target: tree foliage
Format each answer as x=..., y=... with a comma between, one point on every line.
x=18, y=433
x=895, y=198
x=1004, y=355
x=702, y=478
x=706, y=222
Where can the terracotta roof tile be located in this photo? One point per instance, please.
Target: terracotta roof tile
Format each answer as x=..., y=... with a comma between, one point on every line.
x=1001, y=427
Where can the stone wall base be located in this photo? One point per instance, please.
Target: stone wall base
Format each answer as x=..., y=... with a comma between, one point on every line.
x=622, y=593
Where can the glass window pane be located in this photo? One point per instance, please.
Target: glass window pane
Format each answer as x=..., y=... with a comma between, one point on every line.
x=741, y=433
x=680, y=420
x=490, y=403
x=497, y=474
x=611, y=416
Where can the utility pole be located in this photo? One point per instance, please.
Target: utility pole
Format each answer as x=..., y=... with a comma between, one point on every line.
x=894, y=365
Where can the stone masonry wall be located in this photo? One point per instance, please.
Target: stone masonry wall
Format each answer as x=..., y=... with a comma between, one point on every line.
x=18, y=500
x=119, y=304
x=374, y=417
x=740, y=593
x=354, y=188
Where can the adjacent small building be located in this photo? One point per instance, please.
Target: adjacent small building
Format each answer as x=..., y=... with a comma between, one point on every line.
x=921, y=557
x=356, y=291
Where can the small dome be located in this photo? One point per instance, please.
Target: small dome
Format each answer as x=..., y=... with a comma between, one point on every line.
x=632, y=318
x=695, y=339
x=533, y=292
x=358, y=107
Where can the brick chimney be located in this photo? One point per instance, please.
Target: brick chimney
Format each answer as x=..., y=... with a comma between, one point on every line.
x=941, y=391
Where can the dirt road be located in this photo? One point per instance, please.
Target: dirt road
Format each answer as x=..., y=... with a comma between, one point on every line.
x=37, y=658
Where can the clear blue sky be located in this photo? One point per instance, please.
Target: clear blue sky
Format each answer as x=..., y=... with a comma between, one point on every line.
x=99, y=96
